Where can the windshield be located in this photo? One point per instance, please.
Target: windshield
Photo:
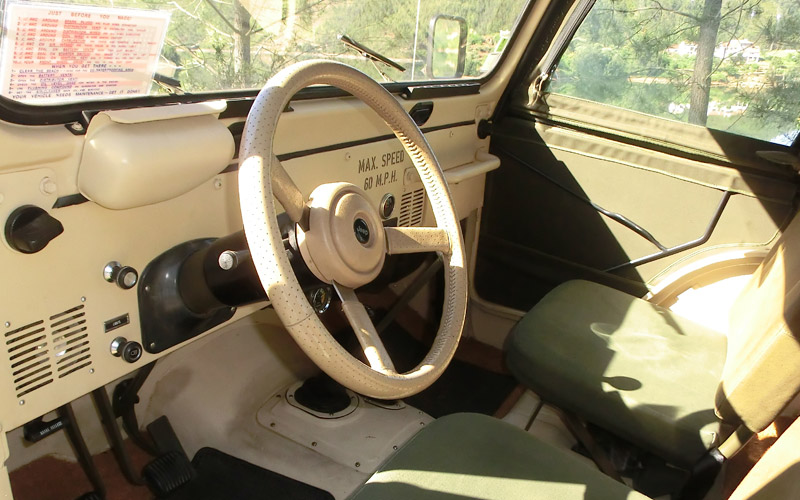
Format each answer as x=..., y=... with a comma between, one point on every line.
x=104, y=49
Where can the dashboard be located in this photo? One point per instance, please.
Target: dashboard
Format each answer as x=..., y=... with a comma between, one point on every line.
x=140, y=182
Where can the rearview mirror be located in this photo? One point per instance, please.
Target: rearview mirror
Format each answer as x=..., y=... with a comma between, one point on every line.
x=447, y=46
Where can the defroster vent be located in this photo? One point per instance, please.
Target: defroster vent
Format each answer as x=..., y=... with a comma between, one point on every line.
x=412, y=208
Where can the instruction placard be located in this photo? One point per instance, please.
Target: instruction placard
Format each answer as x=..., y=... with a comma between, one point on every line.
x=65, y=53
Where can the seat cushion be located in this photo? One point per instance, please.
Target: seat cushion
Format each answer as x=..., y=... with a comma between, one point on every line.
x=470, y=456
x=627, y=365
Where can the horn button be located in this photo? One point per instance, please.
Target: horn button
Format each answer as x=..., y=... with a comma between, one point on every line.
x=345, y=241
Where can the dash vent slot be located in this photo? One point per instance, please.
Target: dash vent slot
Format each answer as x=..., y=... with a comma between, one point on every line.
x=70, y=341
x=29, y=358
x=42, y=351
x=412, y=208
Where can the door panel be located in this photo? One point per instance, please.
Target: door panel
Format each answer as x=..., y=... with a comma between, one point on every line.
x=539, y=227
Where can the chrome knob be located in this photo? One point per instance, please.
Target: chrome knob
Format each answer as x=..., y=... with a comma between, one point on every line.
x=125, y=277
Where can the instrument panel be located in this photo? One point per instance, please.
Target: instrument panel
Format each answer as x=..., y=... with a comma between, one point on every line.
x=70, y=315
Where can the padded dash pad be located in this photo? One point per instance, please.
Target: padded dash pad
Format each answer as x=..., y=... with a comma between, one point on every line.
x=223, y=477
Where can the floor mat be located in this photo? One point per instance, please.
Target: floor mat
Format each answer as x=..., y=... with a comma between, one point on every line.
x=463, y=387
x=223, y=477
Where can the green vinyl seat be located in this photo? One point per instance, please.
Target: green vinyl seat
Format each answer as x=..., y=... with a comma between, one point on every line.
x=661, y=381
x=468, y=456
x=625, y=364
x=474, y=457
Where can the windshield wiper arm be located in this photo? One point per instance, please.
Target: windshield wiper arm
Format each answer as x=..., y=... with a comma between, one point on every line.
x=171, y=85
x=368, y=53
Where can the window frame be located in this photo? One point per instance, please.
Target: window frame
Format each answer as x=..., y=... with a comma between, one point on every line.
x=742, y=148
x=19, y=113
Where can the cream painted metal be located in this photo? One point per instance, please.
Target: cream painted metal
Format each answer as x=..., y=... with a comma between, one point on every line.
x=212, y=390
x=360, y=440
x=257, y=182
x=138, y=157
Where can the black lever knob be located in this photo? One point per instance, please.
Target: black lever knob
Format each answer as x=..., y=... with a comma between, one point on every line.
x=30, y=228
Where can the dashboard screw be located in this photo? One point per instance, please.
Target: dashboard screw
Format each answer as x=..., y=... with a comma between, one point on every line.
x=21, y=402
x=217, y=183
x=91, y=370
x=8, y=323
x=358, y=464
x=347, y=156
x=313, y=443
x=83, y=299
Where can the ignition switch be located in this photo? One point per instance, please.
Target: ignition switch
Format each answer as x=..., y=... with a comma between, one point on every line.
x=125, y=277
x=130, y=351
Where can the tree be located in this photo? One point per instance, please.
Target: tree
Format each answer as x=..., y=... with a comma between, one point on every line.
x=704, y=62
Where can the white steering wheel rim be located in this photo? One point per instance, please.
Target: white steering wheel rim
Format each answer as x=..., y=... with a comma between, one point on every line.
x=256, y=175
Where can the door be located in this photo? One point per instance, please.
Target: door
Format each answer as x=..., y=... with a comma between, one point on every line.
x=639, y=146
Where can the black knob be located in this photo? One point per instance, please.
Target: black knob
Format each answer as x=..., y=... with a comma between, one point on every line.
x=29, y=229
x=132, y=351
x=125, y=277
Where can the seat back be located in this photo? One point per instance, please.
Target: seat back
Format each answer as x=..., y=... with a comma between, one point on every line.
x=762, y=366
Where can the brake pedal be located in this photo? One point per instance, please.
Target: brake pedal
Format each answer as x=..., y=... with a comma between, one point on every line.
x=167, y=473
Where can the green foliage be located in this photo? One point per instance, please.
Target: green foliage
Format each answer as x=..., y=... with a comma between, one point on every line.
x=625, y=54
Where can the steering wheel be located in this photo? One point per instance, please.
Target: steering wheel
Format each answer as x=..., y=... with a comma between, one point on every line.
x=342, y=239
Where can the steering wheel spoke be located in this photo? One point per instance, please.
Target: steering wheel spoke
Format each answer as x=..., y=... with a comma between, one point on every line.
x=288, y=194
x=368, y=337
x=416, y=239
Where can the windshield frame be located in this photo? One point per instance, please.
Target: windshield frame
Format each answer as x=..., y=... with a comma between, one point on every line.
x=19, y=113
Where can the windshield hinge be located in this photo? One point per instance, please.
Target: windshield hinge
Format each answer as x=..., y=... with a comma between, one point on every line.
x=537, y=88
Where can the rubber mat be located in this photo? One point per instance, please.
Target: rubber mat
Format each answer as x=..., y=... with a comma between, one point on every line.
x=223, y=477
x=463, y=387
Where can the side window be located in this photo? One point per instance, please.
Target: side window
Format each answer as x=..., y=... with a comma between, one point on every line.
x=731, y=65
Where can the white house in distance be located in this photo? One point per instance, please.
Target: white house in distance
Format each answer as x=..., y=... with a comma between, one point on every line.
x=747, y=49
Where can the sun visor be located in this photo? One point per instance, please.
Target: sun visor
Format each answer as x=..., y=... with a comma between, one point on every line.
x=143, y=156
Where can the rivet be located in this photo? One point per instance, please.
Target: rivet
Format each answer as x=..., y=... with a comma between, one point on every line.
x=218, y=183
x=394, y=447
x=290, y=396
x=313, y=443
x=83, y=299
x=358, y=464
x=452, y=133
x=147, y=289
x=8, y=323
x=422, y=423
x=272, y=424
x=347, y=156
x=21, y=402
x=91, y=370
x=152, y=345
